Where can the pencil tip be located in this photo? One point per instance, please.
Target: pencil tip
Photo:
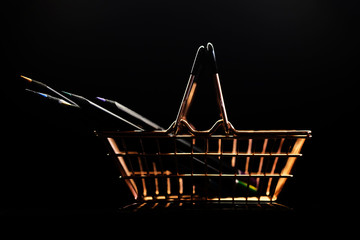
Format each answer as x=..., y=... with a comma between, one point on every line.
x=75, y=96
x=26, y=78
x=101, y=99
x=67, y=104
x=39, y=93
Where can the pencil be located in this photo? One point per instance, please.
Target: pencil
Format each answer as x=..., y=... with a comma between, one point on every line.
x=47, y=96
x=132, y=113
x=49, y=88
x=104, y=110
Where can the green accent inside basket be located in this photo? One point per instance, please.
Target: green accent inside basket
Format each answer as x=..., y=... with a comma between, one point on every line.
x=244, y=184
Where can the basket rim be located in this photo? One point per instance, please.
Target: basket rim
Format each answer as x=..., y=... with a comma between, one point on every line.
x=237, y=134
x=212, y=132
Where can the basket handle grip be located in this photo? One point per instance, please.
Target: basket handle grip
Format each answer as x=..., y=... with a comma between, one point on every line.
x=219, y=95
x=202, y=56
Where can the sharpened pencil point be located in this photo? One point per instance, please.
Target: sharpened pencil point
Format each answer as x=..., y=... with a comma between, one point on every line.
x=66, y=103
x=101, y=99
x=26, y=78
x=38, y=93
x=61, y=101
x=74, y=95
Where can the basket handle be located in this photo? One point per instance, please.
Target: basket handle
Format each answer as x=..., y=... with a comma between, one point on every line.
x=202, y=56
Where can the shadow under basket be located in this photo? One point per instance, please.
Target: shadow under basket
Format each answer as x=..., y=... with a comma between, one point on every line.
x=220, y=165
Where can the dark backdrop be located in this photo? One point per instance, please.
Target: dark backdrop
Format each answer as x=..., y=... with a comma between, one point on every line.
x=282, y=64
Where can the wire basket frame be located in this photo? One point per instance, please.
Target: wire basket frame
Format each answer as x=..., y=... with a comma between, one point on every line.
x=243, y=166
x=219, y=164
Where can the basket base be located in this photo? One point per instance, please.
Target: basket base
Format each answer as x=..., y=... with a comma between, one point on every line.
x=202, y=207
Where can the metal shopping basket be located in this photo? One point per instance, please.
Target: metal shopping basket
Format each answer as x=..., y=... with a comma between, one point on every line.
x=221, y=164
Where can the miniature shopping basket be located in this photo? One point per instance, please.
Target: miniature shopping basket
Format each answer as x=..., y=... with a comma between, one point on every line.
x=220, y=164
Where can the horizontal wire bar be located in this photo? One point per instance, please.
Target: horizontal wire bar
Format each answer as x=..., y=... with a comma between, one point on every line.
x=159, y=175
x=189, y=198
x=211, y=154
x=239, y=134
x=225, y=137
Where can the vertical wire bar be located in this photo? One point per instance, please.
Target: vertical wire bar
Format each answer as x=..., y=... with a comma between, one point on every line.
x=263, y=170
x=261, y=162
x=127, y=156
x=192, y=156
x=147, y=180
x=289, y=164
x=181, y=186
x=248, y=158
x=238, y=165
x=133, y=179
x=159, y=156
x=233, y=159
x=181, y=190
x=168, y=186
x=142, y=174
x=192, y=168
x=205, y=150
x=233, y=164
x=219, y=157
x=144, y=157
x=268, y=159
x=175, y=162
x=220, y=150
x=207, y=179
x=161, y=166
x=274, y=166
x=247, y=171
x=123, y=168
x=176, y=157
x=156, y=179
x=176, y=166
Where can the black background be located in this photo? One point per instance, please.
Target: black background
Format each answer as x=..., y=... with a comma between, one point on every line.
x=282, y=64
